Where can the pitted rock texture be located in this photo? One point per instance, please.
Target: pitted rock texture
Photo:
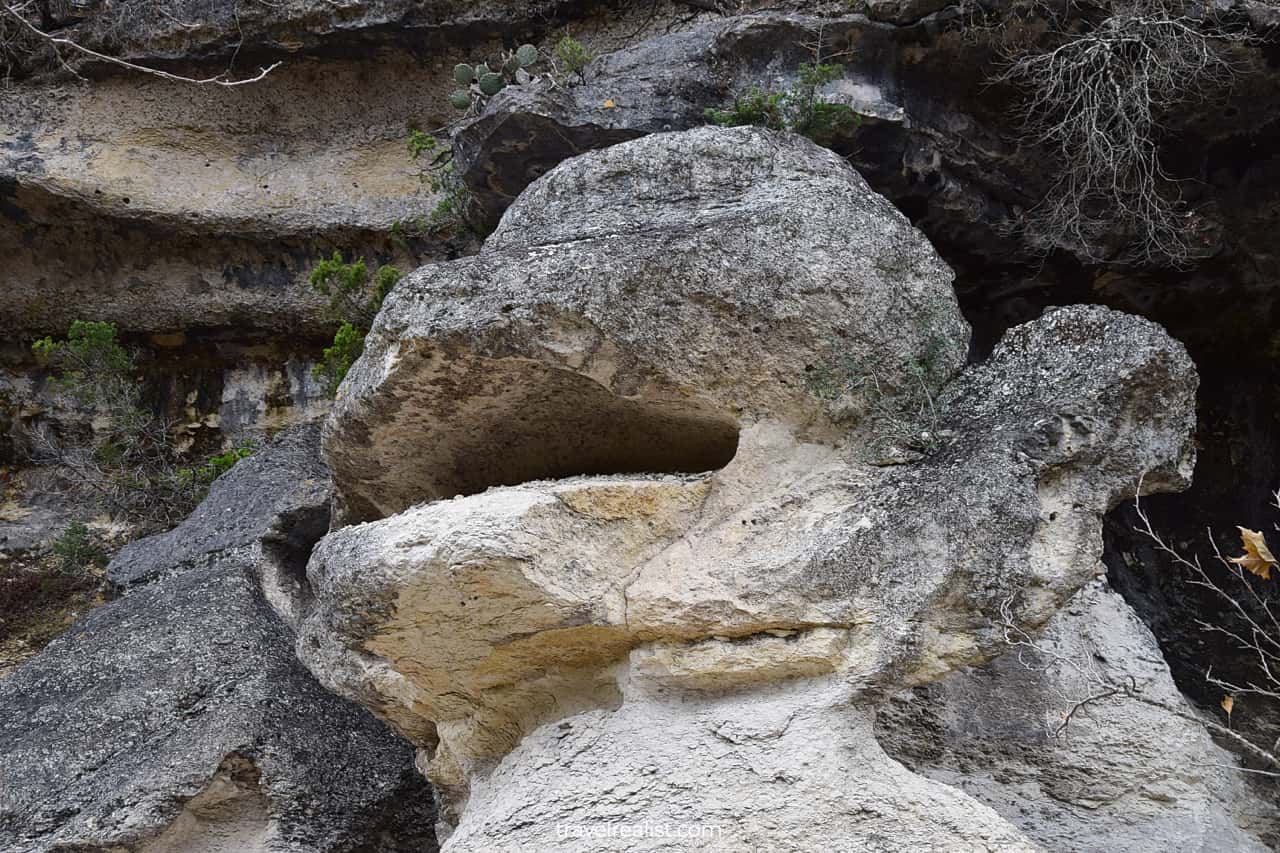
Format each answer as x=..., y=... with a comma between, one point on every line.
x=274, y=504
x=177, y=717
x=490, y=626
x=632, y=310
x=1123, y=775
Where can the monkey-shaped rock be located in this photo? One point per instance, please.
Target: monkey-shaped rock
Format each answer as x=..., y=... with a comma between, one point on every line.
x=646, y=504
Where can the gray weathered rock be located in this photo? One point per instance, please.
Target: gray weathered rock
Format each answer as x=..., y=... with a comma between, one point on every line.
x=630, y=312
x=1125, y=775
x=191, y=30
x=635, y=302
x=916, y=144
x=177, y=717
x=276, y=499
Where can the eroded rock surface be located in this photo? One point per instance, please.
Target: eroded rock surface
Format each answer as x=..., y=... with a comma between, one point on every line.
x=1123, y=775
x=631, y=311
x=177, y=717
x=611, y=644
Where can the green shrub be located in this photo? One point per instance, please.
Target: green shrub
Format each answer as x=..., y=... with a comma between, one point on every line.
x=92, y=360
x=354, y=297
x=221, y=463
x=128, y=462
x=217, y=465
x=754, y=108
x=348, y=344
x=450, y=212
x=800, y=109
x=572, y=55
x=354, y=300
x=77, y=549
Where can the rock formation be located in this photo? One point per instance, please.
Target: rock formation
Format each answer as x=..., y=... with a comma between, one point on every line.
x=579, y=629
x=177, y=719
x=685, y=512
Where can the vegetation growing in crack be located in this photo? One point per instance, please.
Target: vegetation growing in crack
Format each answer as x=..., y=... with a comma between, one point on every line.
x=354, y=296
x=129, y=461
x=572, y=56
x=1100, y=88
x=451, y=213
x=218, y=464
x=800, y=109
x=897, y=404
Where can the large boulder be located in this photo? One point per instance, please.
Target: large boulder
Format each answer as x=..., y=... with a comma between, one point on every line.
x=177, y=717
x=631, y=312
x=614, y=478
x=269, y=508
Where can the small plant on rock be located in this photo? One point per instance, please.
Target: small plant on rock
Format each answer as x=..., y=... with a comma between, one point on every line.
x=800, y=109
x=896, y=404
x=348, y=344
x=483, y=81
x=77, y=549
x=450, y=212
x=39, y=597
x=571, y=54
x=218, y=464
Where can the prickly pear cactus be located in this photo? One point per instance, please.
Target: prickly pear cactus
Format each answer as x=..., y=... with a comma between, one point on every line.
x=482, y=81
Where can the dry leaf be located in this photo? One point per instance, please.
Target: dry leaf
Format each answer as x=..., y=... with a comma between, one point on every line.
x=1227, y=704
x=609, y=104
x=1257, y=557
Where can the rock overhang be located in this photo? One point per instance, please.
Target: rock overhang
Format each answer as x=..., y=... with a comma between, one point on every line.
x=686, y=306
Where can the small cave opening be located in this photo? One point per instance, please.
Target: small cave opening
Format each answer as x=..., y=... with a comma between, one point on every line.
x=617, y=439
x=482, y=423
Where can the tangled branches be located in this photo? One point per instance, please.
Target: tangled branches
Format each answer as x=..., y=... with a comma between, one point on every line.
x=130, y=465
x=21, y=37
x=1096, y=101
x=1251, y=626
x=1087, y=682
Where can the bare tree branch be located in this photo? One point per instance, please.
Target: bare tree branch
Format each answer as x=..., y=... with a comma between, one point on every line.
x=1096, y=101
x=59, y=41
